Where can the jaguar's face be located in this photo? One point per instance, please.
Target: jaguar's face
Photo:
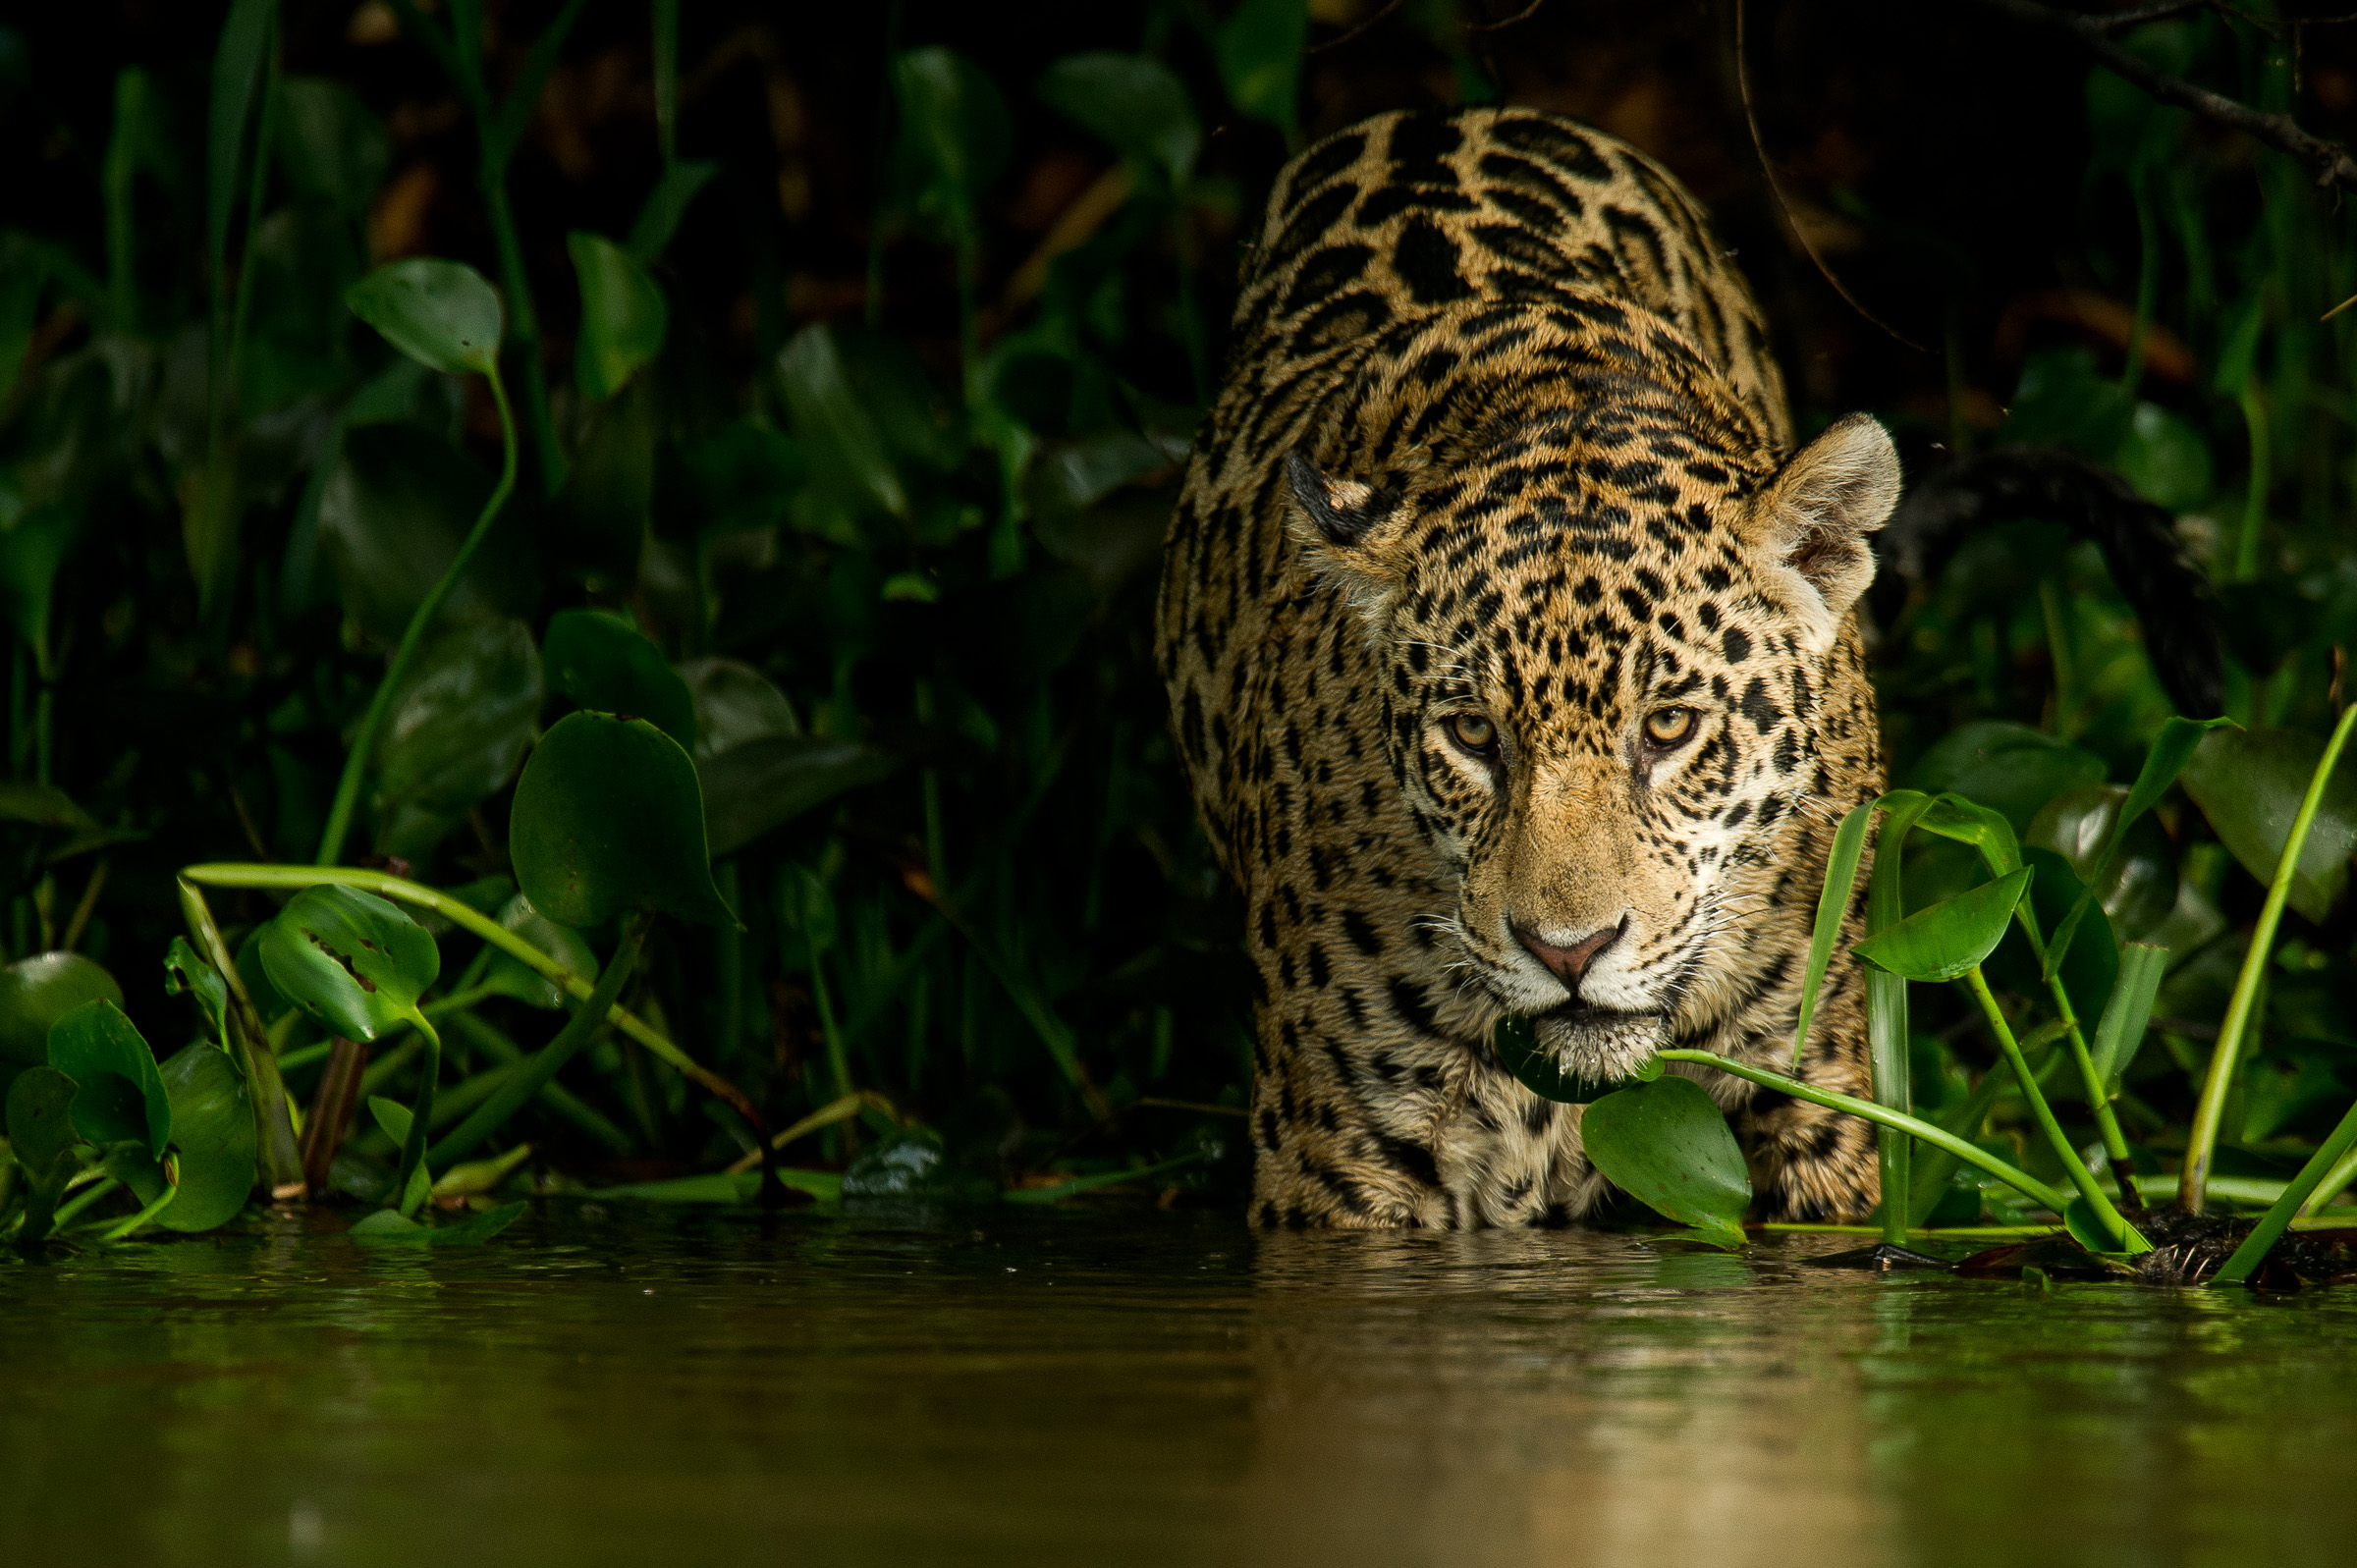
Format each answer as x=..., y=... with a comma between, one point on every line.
x=1601, y=708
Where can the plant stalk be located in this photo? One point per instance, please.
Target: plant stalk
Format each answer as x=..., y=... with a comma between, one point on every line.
x=421, y=1112
x=2279, y=1215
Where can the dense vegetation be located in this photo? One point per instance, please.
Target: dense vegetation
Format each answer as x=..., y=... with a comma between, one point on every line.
x=847, y=362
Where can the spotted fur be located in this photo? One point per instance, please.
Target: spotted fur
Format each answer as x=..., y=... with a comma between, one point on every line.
x=1502, y=452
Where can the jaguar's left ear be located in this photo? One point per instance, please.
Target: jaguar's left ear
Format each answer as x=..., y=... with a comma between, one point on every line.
x=1808, y=525
x=1350, y=532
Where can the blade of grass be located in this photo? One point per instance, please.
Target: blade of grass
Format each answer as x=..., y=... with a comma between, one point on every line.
x=2272, y=1224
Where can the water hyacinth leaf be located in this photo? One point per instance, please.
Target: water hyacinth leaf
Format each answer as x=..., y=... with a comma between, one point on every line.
x=602, y=662
x=1259, y=51
x=608, y=818
x=133, y=1166
x=387, y=1228
x=2122, y=1030
x=442, y=314
x=41, y=1139
x=832, y=426
x=762, y=784
x=1540, y=1070
x=187, y=973
x=353, y=961
x=2136, y=886
x=624, y=315
x=331, y=146
x=2089, y=970
x=510, y=976
x=2010, y=767
x=37, y=991
x=462, y=720
x=2165, y=458
x=1137, y=104
x=122, y=1098
x=2171, y=749
x=1665, y=1144
x=393, y=512
x=1950, y=936
x=735, y=703
x=212, y=1135
x=2249, y=784
x=1983, y=827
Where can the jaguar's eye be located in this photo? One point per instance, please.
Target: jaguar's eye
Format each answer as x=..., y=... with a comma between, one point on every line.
x=1474, y=733
x=1667, y=726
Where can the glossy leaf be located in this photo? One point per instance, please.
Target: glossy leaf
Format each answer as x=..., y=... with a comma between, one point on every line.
x=37, y=991
x=2120, y=1033
x=455, y=731
x=2089, y=970
x=2166, y=758
x=762, y=784
x=2008, y=767
x=1985, y=828
x=1137, y=104
x=735, y=703
x=1540, y=1070
x=213, y=1136
x=387, y=1228
x=510, y=976
x=391, y=513
x=2138, y=887
x=1950, y=936
x=624, y=315
x=122, y=1098
x=442, y=314
x=602, y=662
x=1259, y=50
x=608, y=818
x=353, y=961
x=1665, y=1144
x=2249, y=784
x=187, y=973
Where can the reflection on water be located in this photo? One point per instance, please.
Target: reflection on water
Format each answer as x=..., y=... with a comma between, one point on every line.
x=646, y=1387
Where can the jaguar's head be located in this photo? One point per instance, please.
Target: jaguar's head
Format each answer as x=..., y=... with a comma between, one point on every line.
x=1604, y=646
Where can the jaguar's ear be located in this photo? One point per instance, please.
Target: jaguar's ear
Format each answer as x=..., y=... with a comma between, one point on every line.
x=1343, y=523
x=1808, y=526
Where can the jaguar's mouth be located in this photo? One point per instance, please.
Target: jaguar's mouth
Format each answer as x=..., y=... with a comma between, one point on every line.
x=1601, y=1042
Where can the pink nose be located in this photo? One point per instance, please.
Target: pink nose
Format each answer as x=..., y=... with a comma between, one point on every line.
x=1569, y=964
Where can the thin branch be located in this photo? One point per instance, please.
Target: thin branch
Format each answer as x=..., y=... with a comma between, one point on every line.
x=1388, y=7
x=1775, y=188
x=2329, y=159
x=2122, y=21
x=1524, y=14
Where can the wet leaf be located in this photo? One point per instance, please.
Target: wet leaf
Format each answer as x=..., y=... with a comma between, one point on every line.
x=2249, y=784
x=760, y=785
x=624, y=315
x=186, y=972
x=350, y=959
x=609, y=817
x=1137, y=104
x=459, y=727
x=440, y=313
x=387, y=1228
x=2008, y=767
x=1950, y=936
x=37, y=991
x=1259, y=50
x=1665, y=1144
x=735, y=703
x=122, y=1098
x=510, y=976
x=1540, y=1070
x=2140, y=887
x=213, y=1133
x=602, y=662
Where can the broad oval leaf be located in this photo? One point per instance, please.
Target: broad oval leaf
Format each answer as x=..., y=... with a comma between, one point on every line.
x=624, y=315
x=1950, y=936
x=212, y=1131
x=1665, y=1144
x=455, y=731
x=2140, y=887
x=735, y=703
x=603, y=663
x=350, y=959
x=40, y=1116
x=442, y=314
x=1539, y=1069
x=609, y=817
x=762, y=784
x=392, y=512
x=37, y=991
x=2249, y=784
x=122, y=1098
x=2010, y=767
x=510, y=976
x=1134, y=102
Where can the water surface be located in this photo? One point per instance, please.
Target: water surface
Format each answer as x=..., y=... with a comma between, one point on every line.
x=619, y=1383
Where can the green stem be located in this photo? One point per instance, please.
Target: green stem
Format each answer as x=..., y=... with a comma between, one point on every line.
x=355, y=764
x=493, y=1042
x=1886, y=1033
x=124, y=1227
x=421, y=1112
x=89, y=1196
x=2337, y=1181
x=1883, y=1116
x=2279, y=1215
x=249, y=1044
x=523, y=333
x=2130, y=1241
x=838, y=1058
x=2099, y=1096
x=224, y=398
x=2202, y=1141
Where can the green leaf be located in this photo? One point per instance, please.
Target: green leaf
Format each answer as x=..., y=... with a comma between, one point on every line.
x=609, y=817
x=2249, y=784
x=23, y=800
x=2171, y=749
x=2008, y=767
x=1665, y=1144
x=609, y=494
x=239, y=61
x=807, y=921
x=2061, y=398
x=2091, y=967
x=2120, y=1033
x=1540, y=1070
x=510, y=976
x=41, y=1139
x=1833, y=902
x=762, y=784
x=1259, y=50
x=213, y=1133
x=387, y=1228
x=392, y=514
x=725, y=1187
x=665, y=204
x=350, y=959
x=440, y=313
x=186, y=972
x=1137, y=104
x=1950, y=938
x=602, y=662
x=31, y=555
x=395, y=1121
x=37, y=991
x=831, y=424
x=1985, y=828
x=2165, y=458
x=122, y=1098
x=953, y=131
x=735, y=704
x=330, y=144
x=455, y=731
x=624, y=315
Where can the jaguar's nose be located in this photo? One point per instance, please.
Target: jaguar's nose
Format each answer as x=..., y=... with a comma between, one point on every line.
x=1569, y=964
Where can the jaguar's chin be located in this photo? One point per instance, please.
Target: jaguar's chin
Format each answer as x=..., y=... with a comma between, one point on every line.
x=1601, y=1043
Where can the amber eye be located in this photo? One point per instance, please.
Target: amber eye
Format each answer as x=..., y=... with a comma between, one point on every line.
x=1474, y=733
x=1667, y=726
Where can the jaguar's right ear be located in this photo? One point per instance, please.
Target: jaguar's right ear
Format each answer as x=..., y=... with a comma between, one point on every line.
x=1342, y=525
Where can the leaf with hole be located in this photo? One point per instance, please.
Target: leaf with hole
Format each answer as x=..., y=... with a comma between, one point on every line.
x=442, y=314
x=601, y=661
x=122, y=1098
x=1950, y=936
x=37, y=991
x=1665, y=1144
x=609, y=818
x=353, y=962
x=624, y=315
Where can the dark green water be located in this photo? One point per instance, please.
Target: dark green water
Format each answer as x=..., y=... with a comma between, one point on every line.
x=648, y=1386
